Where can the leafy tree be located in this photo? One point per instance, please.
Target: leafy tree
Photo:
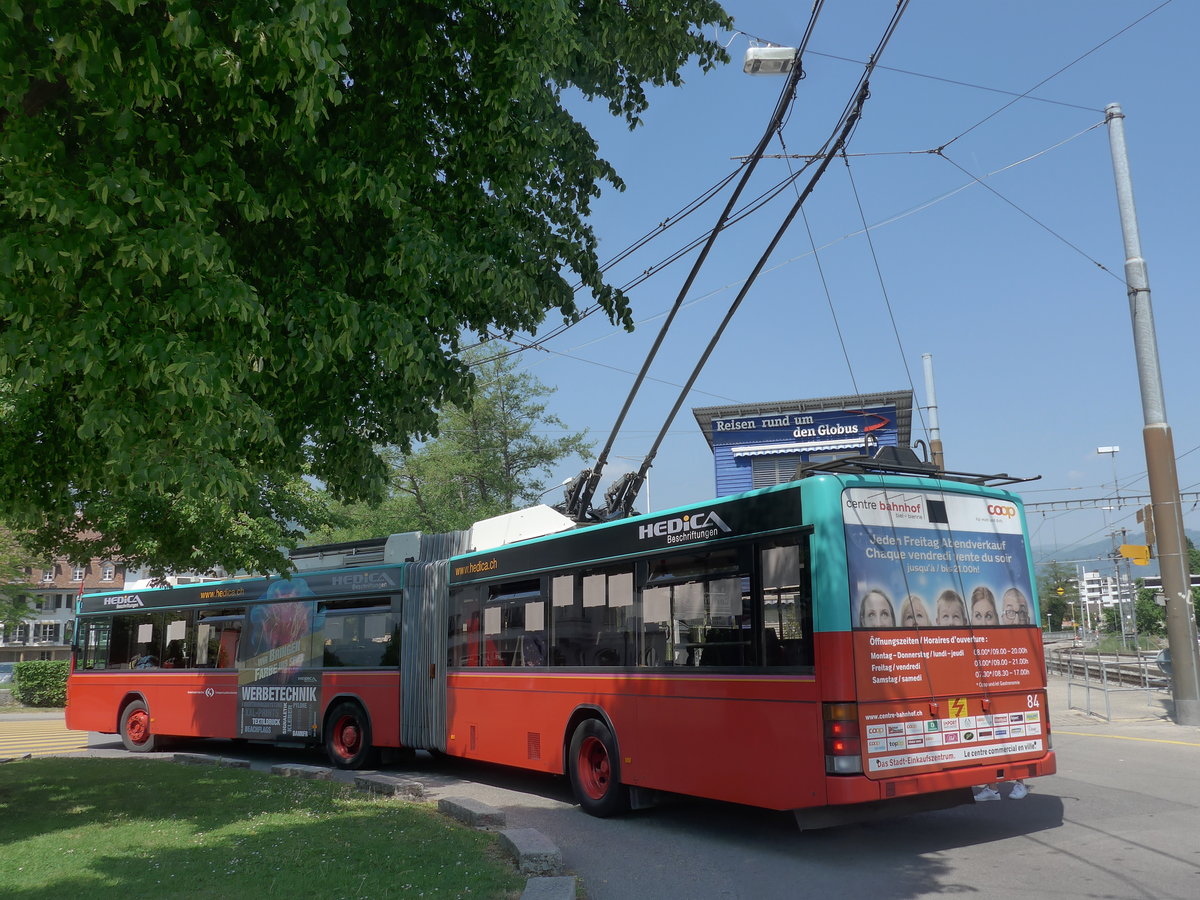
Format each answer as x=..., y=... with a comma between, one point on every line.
x=1148, y=616
x=239, y=242
x=491, y=456
x=15, y=590
x=1057, y=607
x=1194, y=569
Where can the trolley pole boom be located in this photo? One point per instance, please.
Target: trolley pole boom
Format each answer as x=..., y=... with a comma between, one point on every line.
x=578, y=496
x=631, y=486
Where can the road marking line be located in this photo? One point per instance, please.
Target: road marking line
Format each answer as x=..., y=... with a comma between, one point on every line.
x=1122, y=737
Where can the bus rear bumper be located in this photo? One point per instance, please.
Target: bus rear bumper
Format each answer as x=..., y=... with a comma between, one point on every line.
x=857, y=798
x=853, y=813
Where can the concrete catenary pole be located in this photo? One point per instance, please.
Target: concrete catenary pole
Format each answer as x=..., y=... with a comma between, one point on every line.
x=1160, y=446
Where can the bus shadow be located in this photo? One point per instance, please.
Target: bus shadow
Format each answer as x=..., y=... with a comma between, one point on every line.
x=905, y=857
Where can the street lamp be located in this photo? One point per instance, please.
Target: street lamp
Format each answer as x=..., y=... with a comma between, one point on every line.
x=1112, y=452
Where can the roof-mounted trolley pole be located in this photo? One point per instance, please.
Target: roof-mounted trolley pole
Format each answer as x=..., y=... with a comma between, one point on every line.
x=626, y=490
x=577, y=497
x=1160, y=446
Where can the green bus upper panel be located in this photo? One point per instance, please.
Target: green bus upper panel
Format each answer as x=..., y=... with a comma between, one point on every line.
x=247, y=590
x=814, y=503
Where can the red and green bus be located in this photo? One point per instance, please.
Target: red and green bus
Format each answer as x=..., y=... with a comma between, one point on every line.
x=849, y=644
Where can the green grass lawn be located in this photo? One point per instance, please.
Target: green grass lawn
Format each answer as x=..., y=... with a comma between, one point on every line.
x=95, y=828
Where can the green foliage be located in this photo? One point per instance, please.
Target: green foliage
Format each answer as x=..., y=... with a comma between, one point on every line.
x=15, y=590
x=491, y=457
x=1055, y=607
x=41, y=682
x=239, y=243
x=1149, y=617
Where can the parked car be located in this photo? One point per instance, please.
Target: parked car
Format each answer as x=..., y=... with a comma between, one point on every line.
x=6, y=671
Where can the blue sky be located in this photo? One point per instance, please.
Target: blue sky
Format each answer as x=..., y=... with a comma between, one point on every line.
x=1016, y=288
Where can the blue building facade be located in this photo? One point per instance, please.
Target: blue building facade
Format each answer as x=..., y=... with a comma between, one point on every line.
x=760, y=444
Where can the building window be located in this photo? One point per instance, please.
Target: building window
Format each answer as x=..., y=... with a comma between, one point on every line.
x=769, y=470
x=77, y=574
x=48, y=576
x=107, y=571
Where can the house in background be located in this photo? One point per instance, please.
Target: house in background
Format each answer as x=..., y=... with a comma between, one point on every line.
x=47, y=632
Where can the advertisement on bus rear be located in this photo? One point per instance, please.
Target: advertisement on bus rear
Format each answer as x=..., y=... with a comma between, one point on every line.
x=909, y=738
x=279, y=676
x=942, y=608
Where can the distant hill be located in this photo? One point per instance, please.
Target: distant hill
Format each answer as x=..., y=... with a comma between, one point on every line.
x=1094, y=556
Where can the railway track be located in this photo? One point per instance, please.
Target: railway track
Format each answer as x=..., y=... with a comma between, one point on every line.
x=1116, y=669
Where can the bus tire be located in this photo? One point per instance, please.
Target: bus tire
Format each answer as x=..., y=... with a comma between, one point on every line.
x=348, y=737
x=595, y=770
x=135, y=728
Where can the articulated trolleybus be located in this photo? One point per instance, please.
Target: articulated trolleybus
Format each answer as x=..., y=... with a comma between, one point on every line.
x=854, y=643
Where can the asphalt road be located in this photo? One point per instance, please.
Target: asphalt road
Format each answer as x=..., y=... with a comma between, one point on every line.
x=1121, y=819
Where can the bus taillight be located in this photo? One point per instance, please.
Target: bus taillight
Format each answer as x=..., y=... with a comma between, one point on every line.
x=843, y=747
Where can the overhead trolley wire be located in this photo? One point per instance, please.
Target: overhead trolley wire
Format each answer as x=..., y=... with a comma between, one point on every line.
x=649, y=272
x=622, y=494
x=577, y=502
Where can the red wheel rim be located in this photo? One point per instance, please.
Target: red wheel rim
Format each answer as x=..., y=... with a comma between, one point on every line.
x=595, y=769
x=347, y=737
x=137, y=726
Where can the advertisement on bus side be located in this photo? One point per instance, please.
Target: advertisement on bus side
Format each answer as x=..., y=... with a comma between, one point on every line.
x=279, y=677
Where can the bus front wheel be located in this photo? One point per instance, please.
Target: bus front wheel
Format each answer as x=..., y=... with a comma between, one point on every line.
x=594, y=770
x=135, y=728
x=348, y=737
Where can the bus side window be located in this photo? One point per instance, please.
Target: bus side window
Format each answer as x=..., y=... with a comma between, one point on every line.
x=95, y=645
x=464, y=627
x=136, y=641
x=514, y=624
x=594, y=618
x=786, y=604
x=218, y=633
x=180, y=641
x=359, y=632
x=698, y=611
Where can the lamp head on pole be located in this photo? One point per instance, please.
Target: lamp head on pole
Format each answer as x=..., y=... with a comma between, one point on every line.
x=769, y=60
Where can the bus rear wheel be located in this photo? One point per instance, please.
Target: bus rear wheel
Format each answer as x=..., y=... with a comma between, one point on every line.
x=594, y=770
x=135, y=728
x=348, y=737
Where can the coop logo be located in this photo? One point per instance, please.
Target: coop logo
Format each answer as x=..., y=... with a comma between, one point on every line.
x=125, y=601
x=1003, y=510
x=696, y=527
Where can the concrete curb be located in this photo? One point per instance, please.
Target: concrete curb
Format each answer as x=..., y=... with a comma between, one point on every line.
x=555, y=887
x=390, y=786
x=472, y=812
x=203, y=759
x=291, y=770
x=535, y=853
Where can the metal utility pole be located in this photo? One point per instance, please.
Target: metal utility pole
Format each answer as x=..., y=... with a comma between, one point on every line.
x=1160, y=446
x=935, y=433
